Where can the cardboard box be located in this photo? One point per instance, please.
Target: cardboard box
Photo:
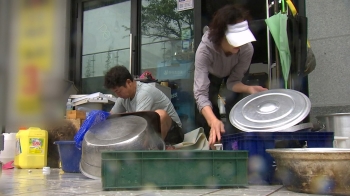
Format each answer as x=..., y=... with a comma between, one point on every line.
x=75, y=114
x=76, y=122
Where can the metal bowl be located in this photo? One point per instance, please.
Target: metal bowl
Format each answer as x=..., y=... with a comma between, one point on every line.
x=125, y=132
x=314, y=170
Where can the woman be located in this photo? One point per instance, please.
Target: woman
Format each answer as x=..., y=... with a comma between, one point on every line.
x=224, y=54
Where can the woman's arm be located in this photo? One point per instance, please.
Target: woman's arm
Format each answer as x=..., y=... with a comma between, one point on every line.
x=201, y=84
x=234, y=82
x=201, y=93
x=237, y=73
x=216, y=125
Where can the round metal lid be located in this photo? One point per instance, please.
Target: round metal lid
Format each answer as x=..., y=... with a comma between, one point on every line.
x=116, y=130
x=298, y=127
x=270, y=111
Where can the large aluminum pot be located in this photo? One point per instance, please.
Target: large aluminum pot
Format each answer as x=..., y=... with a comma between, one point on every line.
x=339, y=123
x=132, y=131
x=314, y=170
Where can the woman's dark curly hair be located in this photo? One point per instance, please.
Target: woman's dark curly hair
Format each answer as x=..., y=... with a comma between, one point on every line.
x=229, y=14
x=116, y=77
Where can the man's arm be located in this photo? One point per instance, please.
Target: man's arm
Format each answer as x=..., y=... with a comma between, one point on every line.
x=118, y=107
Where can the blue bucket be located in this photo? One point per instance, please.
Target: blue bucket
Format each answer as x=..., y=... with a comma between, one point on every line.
x=70, y=156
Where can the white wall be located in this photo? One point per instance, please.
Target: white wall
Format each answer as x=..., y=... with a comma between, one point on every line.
x=329, y=35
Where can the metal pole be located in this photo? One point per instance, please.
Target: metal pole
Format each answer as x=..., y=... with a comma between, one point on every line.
x=290, y=76
x=278, y=68
x=268, y=46
x=130, y=64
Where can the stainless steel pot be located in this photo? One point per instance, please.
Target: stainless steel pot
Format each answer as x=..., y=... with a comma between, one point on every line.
x=314, y=170
x=132, y=131
x=339, y=123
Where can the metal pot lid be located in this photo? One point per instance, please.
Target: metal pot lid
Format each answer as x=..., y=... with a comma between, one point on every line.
x=270, y=111
x=298, y=127
x=116, y=130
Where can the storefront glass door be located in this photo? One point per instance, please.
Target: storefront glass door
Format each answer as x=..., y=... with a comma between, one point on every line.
x=167, y=52
x=105, y=40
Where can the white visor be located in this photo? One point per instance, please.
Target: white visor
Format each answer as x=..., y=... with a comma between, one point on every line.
x=239, y=34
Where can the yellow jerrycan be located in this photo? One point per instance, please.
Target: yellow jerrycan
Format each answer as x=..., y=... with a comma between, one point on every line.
x=31, y=148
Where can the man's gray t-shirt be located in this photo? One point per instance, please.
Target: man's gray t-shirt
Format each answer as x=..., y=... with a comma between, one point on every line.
x=147, y=98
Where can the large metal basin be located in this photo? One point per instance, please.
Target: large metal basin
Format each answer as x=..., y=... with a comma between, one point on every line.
x=339, y=123
x=137, y=131
x=314, y=170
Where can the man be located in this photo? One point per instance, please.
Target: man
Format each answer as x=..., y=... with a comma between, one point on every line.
x=224, y=53
x=135, y=96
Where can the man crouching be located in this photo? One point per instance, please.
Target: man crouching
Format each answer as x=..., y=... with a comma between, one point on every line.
x=135, y=96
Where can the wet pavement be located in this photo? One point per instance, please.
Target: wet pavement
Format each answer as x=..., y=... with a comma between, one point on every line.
x=36, y=183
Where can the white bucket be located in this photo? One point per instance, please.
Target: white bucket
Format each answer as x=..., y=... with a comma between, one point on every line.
x=8, y=154
x=341, y=142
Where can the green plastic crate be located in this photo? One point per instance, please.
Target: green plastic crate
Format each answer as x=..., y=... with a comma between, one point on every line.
x=174, y=169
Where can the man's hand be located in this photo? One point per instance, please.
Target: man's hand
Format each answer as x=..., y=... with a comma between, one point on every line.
x=256, y=89
x=216, y=128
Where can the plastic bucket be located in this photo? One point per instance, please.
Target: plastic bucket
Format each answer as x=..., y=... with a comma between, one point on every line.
x=340, y=142
x=8, y=154
x=70, y=156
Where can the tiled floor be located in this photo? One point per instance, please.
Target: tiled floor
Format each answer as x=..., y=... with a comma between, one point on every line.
x=35, y=183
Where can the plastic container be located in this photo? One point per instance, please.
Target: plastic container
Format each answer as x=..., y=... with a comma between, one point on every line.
x=262, y=166
x=340, y=142
x=8, y=154
x=138, y=169
x=69, y=105
x=70, y=156
x=31, y=148
x=46, y=170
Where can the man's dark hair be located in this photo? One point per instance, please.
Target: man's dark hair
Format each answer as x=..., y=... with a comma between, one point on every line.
x=116, y=77
x=229, y=14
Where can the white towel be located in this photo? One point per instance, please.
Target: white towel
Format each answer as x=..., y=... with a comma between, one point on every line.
x=194, y=140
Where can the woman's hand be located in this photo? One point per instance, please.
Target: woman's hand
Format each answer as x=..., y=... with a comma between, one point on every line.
x=242, y=88
x=256, y=89
x=216, y=128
